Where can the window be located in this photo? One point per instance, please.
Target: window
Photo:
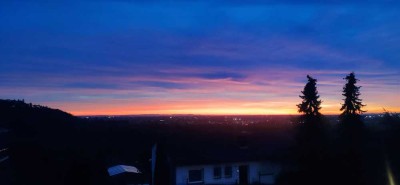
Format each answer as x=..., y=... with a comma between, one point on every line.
x=217, y=172
x=228, y=171
x=195, y=176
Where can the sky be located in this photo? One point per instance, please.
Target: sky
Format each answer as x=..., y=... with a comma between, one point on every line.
x=198, y=57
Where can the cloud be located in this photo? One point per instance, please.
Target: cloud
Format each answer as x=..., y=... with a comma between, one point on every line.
x=218, y=56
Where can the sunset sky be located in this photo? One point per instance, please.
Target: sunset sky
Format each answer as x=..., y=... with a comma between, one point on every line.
x=192, y=57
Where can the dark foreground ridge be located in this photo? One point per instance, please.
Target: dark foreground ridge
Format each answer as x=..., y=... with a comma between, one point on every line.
x=49, y=146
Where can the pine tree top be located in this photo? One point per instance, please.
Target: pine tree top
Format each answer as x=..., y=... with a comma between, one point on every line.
x=352, y=103
x=310, y=105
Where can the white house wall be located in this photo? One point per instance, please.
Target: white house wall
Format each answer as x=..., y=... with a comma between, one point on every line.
x=254, y=170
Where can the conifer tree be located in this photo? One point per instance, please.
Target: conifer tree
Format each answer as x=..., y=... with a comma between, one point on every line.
x=310, y=105
x=352, y=103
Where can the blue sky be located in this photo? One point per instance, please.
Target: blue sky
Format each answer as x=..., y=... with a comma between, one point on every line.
x=134, y=57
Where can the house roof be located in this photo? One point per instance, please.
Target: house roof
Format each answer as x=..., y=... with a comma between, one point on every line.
x=115, y=170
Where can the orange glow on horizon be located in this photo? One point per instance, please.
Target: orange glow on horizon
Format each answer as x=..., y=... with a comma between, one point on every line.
x=221, y=108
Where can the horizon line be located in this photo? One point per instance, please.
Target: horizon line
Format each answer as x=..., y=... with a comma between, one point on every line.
x=138, y=115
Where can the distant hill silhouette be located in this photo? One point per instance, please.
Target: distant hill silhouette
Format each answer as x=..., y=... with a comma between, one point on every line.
x=15, y=113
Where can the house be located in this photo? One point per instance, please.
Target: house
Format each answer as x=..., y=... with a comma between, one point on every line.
x=215, y=163
x=241, y=172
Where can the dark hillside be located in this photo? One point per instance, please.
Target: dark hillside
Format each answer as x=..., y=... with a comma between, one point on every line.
x=16, y=114
x=40, y=142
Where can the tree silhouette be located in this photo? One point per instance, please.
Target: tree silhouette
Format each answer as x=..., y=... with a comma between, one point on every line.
x=311, y=152
x=310, y=105
x=352, y=104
